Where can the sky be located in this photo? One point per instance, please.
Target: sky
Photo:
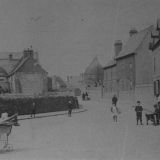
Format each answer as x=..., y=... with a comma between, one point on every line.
x=68, y=34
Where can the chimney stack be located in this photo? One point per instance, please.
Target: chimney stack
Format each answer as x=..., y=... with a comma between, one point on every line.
x=133, y=31
x=28, y=53
x=117, y=47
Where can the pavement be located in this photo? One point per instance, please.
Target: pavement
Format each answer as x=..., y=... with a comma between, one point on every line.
x=90, y=134
x=50, y=114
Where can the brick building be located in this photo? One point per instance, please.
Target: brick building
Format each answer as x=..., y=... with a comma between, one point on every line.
x=23, y=73
x=133, y=65
x=110, y=71
x=155, y=48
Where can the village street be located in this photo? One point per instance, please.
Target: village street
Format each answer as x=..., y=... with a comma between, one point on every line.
x=89, y=135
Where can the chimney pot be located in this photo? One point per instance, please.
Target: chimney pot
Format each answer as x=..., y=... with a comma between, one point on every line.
x=28, y=53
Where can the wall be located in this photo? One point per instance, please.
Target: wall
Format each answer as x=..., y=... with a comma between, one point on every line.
x=29, y=79
x=144, y=73
x=156, y=64
x=126, y=73
x=30, y=83
x=110, y=79
x=144, y=63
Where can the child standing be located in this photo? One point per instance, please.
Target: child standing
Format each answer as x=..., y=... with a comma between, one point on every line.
x=138, y=110
x=115, y=113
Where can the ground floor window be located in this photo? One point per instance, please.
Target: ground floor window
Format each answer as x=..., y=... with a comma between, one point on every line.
x=156, y=87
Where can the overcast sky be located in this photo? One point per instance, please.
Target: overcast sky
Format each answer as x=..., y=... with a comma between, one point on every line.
x=68, y=34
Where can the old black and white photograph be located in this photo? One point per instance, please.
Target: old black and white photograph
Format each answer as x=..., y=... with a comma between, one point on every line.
x=79, y=79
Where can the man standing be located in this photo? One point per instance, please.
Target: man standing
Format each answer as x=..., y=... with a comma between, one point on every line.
x=70, y=107
x=33, y=109
x=138, y=110
x=114, y=100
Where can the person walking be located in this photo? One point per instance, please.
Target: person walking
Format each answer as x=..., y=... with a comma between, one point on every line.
x=33, y=113
x=83, y=96
x=138, y=110
x=115, y=113
x=70, y=107
x=86, y=96
x=114, y=100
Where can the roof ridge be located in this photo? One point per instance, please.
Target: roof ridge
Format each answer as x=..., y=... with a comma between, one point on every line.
x=134, y=42
x=19, y=64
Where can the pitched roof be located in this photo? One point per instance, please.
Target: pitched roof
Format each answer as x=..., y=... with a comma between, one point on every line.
x=111, y=63
x=18, y=65
x=22, y=61
x=93, y=67
x=134, y=42
x=10, y=66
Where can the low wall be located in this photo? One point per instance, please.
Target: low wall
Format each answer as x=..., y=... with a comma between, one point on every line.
x=43, y=104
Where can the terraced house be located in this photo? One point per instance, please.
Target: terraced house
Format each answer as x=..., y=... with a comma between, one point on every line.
x=21, y=73
x=155, y=48
x=134, y=71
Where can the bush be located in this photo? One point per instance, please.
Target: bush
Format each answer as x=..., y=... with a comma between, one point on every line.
x=43, y=104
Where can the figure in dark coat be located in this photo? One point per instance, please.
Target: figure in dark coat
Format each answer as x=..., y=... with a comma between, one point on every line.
x=70, y=107
x=138, y=110
x=83, y=96
x=114, y=100
x=86, y=96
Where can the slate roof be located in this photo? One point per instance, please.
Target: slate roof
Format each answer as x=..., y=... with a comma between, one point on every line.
x=18, y=65
x=10, y=66
x=110, y=64
x=134, y=42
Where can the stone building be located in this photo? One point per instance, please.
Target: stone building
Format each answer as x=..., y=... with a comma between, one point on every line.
x=23, y=74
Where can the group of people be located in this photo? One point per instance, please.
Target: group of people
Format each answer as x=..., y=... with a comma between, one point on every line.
x=115, y=110
x=138, y=109
x=85, y=96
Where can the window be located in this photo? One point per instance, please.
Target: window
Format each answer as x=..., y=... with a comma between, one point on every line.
x=154, y=64
x=130, y=65
x=156, y=87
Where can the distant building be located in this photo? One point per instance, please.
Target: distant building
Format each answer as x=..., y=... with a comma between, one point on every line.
x=22, y=73
x=75, y=81
x=58, y=83
x=93, y=74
